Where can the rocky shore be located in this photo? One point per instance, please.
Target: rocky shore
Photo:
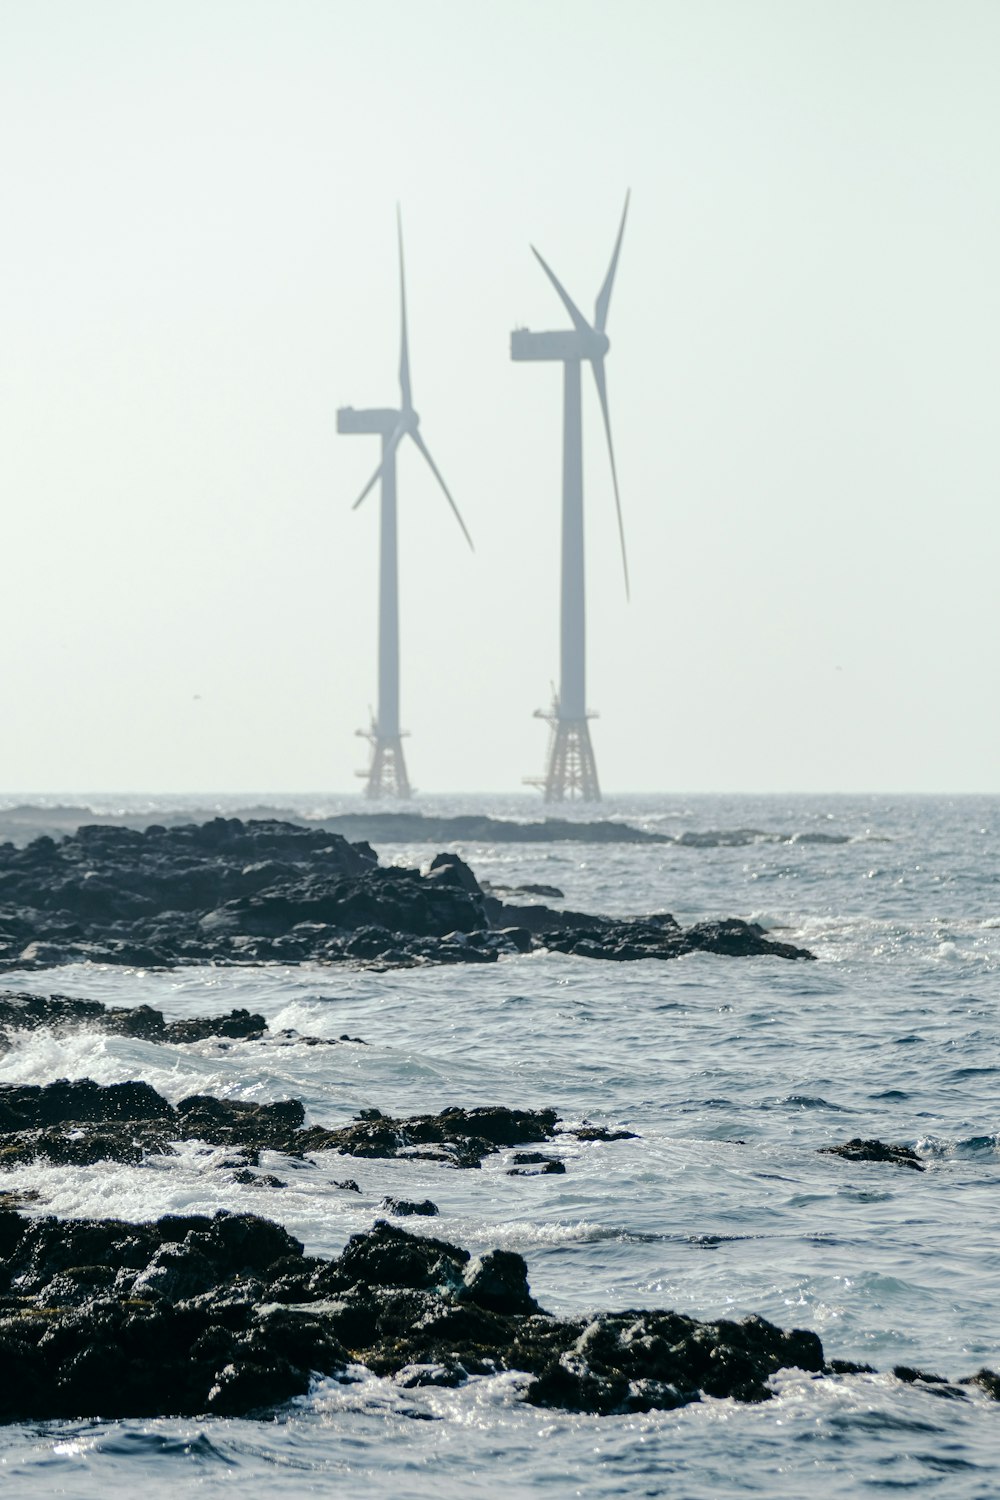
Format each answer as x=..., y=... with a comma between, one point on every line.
x=229, y=892
x=80, y=1122
x=241, y=1320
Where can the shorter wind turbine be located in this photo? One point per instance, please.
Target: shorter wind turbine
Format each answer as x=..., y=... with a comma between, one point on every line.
x=386, y=775
x=572, y=769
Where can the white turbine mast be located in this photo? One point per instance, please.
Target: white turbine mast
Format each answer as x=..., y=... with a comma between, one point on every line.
x=572, y=769
x=386, y=774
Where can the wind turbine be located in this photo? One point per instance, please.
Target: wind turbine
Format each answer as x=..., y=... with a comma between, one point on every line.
x=386, y=775
x=572, y=770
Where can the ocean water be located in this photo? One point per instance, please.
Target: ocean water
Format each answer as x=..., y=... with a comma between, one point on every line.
x=732, y=1073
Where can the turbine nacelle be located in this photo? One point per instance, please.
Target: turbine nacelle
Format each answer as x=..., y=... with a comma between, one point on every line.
x=381, y=420
x=559, y=344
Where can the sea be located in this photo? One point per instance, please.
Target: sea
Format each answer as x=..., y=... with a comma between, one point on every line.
x=732, y=1073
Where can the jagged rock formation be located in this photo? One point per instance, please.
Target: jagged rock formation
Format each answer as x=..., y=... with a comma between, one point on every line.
x=260, y=892
x=81, y=1122
x=62, y=1014
x=241, y=1320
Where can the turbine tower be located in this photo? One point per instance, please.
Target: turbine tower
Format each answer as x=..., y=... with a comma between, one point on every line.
x=572, y=770
x=386, y=775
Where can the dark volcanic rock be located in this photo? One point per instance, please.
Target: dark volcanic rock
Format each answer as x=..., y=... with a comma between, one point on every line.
x=550, y=892
x=638, y=1361
x=59, y=1013
x=738, y=940
x=226, y=1315
x=223, y=891
x=105, y=1318
x=457, y=1137
x=987, y=1380
x=192, y=1314
x=859, y=1150
x=404, y=1207
x=912, y=1376
x=265, y=891
x=657, y=937
x=82, y=1122
x=535, y=1164
x=587, y=1132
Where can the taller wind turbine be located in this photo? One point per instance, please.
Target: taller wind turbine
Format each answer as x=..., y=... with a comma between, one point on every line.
x=386, y=775
x=572, y=770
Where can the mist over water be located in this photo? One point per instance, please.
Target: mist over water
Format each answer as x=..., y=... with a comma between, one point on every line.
x=731, y=1072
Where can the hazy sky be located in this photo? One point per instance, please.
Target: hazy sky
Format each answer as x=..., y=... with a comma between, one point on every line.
x=198, y=268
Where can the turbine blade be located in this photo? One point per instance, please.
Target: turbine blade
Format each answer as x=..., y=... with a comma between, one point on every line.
x=415, y=435
x=579, y=321
x=604, y=295
x=602, y=391
x=404, y=348
x=389, y=450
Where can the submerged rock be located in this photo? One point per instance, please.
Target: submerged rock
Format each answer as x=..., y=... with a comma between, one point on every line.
x=859, y=1150
x=987, y=1380
x=588, y=1132
x=535, y=1164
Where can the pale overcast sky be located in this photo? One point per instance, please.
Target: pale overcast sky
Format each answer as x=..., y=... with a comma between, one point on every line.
x=198, y=268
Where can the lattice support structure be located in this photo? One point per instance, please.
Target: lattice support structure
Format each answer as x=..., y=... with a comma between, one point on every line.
x=572, y=770
x=386, y=776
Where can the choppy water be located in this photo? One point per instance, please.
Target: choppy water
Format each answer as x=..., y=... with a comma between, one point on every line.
x=732, y=1072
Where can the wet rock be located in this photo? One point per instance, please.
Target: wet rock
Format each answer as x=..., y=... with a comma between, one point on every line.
x=637, y=1360
x=935, y=1384
x=222, y=891
x=61, y=1014
x=233, y=1122
x=658, y=937
x=739, y=939
x=453, y=869
x=387, y=1256
x=910, y=1375
x=859, y=1150
x=461, y=1137
x=268, y=891
x=413, y=1377
x=24, y=1106
x=19, y=1200
x=549, y=892
x=403, y=1207
x=499, y=1282
x=987, y=1380
x=534, y=1164
x=516, y=939
x=189, y=1314
x=599, y=1133
x=82, y=1122
x=246, y=1178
